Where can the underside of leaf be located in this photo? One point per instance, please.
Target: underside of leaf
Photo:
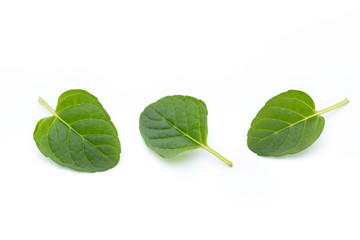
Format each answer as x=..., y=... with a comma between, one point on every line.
x=176, y=124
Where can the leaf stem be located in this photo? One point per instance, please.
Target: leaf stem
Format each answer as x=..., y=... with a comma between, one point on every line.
x=339, y=104
x=218, y=155
x=42, y=101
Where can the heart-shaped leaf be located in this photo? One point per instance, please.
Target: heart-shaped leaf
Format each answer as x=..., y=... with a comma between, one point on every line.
x=287, y=124
x=175, y=124
x=80, y=134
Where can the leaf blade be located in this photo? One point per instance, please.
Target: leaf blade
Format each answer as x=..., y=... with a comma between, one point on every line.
x=288, y=123
x=68, y=142
x=176, y=124
x=165, y=119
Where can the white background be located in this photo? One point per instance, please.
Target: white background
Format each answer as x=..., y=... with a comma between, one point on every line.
x=234, y=55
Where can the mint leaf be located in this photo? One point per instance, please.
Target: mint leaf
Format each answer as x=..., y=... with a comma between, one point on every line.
x=176, y=124
x=80, y=134
x=287, y=124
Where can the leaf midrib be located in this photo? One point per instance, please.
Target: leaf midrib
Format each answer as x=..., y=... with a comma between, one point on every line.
x=289, y=126
x=55, y=114
x=83, y=138
x=181, y=131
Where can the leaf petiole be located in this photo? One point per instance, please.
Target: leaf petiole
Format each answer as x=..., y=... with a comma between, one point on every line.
x=218, y=155
x=339, y=104
x=42, y=101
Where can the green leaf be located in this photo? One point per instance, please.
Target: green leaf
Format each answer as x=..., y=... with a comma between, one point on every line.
x=80, y=134
x=176, y=124
x=287, y=124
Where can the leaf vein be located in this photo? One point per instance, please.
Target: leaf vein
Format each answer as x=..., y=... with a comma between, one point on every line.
x=290, y=110
x=159, y=138
x=298, y=99
x=179, y=130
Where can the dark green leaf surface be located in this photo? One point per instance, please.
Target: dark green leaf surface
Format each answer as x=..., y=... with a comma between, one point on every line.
x=175, y=124
x=287, y=124
x=80, y=134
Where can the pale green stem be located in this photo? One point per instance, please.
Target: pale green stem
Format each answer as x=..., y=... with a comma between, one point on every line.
x=339, y=104
x=218, y=155
x=42, y=101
